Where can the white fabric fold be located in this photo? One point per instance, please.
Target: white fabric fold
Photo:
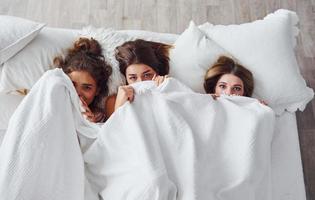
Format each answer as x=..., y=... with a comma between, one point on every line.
x=183, y=145
x=40, y=157
x=170, y=143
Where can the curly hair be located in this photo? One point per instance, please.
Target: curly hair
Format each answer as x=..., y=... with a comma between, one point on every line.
x=226, y=65
x=153, y=54
x=86, y=55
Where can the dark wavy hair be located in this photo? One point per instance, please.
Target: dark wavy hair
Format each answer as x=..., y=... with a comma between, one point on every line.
x=226, y=65
x=153, y=54
x=86, y=55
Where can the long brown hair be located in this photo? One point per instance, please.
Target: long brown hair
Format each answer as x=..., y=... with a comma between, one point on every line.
x=86, y=55
x=226, y=65
x=153, y=54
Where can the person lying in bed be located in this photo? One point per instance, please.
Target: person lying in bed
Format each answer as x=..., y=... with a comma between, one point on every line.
x=139, y=60
x=87, y=69
x=229, y=78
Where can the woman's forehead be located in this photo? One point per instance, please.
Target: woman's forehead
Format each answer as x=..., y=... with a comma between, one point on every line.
x=138, y=69
x=231, y=79
x=82, y=77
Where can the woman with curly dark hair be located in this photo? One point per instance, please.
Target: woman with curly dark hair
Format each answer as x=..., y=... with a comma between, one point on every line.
x=89, y=73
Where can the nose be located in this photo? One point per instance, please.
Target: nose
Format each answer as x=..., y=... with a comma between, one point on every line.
x=139, y=79
x=228, y=91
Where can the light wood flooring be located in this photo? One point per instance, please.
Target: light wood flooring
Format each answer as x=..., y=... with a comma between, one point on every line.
x=173, y=16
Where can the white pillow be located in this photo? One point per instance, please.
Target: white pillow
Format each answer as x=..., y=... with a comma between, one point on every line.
x=265, y=47
x=15, y=34
x=8, y=104
x=110, y=39
x=26, y=67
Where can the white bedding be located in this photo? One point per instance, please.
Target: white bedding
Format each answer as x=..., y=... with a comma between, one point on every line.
x=183, y=145
x=2, y=132
x=64, y=156
x=1, y=68
x=40, y=155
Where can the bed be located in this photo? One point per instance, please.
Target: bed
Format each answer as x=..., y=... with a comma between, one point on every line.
x=286, y=170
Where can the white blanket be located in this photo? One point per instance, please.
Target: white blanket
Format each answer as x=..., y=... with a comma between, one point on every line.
x=164, y=145
x=182, y=145
x=40, y=157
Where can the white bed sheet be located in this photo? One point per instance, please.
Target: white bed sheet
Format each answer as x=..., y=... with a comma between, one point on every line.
x=287, y=174
x=1, y=67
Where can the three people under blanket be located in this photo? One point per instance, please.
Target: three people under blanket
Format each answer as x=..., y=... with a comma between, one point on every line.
x=139, y=60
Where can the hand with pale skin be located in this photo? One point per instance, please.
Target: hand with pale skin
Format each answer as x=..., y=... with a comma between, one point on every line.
x=263, y=102
x=88, y=113
x=214, y=96
x=159, y=79
x=125, y=93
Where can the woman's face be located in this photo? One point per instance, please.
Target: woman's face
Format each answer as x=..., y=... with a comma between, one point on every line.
x=229, y=84
x=85, y=85
x=139, y=72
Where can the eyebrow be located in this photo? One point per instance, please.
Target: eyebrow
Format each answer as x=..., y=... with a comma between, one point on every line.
x=86, y=84
x=221, y=82
x=146, y=71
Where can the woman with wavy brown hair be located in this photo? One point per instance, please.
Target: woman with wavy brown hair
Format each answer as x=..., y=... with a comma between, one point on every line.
x=228, y=77
x=140, y=60
x=86, y=67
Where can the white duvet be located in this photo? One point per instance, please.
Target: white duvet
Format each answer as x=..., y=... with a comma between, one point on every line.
x=170, y=143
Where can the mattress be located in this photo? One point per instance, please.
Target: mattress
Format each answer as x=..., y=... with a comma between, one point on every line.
x=287, y=174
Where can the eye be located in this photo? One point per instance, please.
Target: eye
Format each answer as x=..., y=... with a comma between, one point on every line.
x=133, y=78
x=148, y=75
x=87, y=87
x=222, y=86
x=238, y=89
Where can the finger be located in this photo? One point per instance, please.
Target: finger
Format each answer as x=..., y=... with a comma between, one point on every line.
x=159, y=80
x=88, y=114
x=154, y=77
x=87, y=109
x=98, y=117
x=83, y=101
x=162, y=80
x=131, y=97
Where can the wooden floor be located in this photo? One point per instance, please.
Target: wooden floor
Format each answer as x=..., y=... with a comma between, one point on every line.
x=173, y=16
